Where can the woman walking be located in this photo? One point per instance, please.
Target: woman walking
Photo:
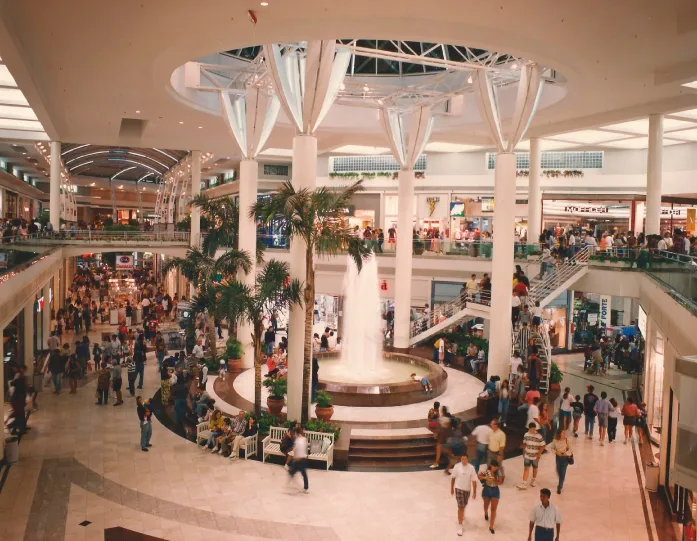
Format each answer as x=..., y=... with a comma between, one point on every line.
x=561, y=447
x=612, y=418
x=491, y=493
x=545, y=426
x=504, y=399
x=630, y=413
x=565, y=409
x=445, y=430
x=73, y=371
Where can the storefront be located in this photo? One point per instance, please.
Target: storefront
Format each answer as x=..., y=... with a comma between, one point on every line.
x=392, y=212
x=593, y=313
x=471, y=215
x=555, y=316
x=652, y=387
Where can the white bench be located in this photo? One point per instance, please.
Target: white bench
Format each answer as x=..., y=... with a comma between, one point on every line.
x=271, y=445
x=249, y=444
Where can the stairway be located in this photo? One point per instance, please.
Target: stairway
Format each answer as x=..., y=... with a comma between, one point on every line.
x=409, y=448
x=558, y=280
x=445, y=315
x=544, y=352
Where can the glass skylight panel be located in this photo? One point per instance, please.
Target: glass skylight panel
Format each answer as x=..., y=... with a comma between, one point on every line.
x=6, y=78
x=21, y=113
x=12, y=96
x=360, y=149
x=638, y=143
x=690, y=113
x=641, y=126
x=277, y=152
x=14, y=124
x=687, y=135
x=546, y=144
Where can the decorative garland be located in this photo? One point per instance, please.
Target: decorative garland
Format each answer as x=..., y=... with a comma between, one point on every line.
x=553, y=173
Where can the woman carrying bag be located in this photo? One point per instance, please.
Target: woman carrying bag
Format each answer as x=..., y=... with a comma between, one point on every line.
x=561, y=447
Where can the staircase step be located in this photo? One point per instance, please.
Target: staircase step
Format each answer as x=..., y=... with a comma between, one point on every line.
x=414, y=463
x=395, y=454
x=366, y=445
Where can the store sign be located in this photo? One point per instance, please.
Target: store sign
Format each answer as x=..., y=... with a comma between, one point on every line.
x=592, y=319
x=641, y=322
x=124, y=262
x=40, y=305
x=457, y=210
x=383, y=285
x=605, y=307
x=585, y=209
x=671, y=212
x=487, y=204
x=432, y=204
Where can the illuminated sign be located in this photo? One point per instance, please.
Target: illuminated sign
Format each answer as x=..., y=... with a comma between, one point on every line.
x=605, y=307
x=593, y=210
x=124, y=262
x=432, y=204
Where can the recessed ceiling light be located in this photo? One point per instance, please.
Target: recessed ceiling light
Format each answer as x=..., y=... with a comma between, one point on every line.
x=181, y=122
x=514, y=66
x=200, y=127
x=93, y=184
x=264, y=4
x=469, y=80
x=137, y=112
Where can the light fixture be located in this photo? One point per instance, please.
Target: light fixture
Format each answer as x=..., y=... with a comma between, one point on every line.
x=264, y=4
x=691, y=84
x=137, y=112
x=366, y=88
x=514, y=66
x=469, y=80
x=200, y=127
x=93, y=184
x=181, y=122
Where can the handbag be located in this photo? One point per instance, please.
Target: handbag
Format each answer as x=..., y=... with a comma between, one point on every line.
x=571, y=459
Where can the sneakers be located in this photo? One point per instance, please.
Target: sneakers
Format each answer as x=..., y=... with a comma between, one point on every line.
x=533, y=482
x=434, y=466
x=460, y=530
x=522, y=486
x=221, y=451
x=233, y=456
x=286, y=467
x=214, y=450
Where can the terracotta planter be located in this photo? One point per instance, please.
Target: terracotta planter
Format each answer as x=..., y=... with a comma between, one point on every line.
x=275, y=405
x=324, y=414
x=555, y=387
x=234, y=365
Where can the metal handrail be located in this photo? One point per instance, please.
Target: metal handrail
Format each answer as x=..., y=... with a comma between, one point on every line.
x=87, y=235
x=559, y=275
x=448, y=309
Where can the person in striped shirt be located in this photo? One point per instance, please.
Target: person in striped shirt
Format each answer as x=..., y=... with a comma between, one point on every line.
x=533, y=445
x=524, y=340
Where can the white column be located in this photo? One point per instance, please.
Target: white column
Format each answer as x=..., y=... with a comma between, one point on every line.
x=381, y=223
x=654, y=175
x=627, y=311
x=195, y=190
x=28, y=336
x=502, y=264
x=639, y=214
x=304, y=176
x=46, y=314
x=55, y=186
x=249, y=173
x=534, y=192
x=402, y=288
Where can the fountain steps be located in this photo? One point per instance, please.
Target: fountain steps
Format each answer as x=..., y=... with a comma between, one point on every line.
x=399, y=450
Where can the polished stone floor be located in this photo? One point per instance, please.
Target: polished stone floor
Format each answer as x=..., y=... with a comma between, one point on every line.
x=82, y=462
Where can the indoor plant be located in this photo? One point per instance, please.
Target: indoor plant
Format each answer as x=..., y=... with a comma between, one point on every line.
x=555, y=377
x=278, y=387
x=233, y=352
x=324, y=408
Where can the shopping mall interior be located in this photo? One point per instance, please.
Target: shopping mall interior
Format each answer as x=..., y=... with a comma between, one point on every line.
x=309, y=270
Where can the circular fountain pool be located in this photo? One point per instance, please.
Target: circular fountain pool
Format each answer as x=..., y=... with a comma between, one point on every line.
x=388, y=385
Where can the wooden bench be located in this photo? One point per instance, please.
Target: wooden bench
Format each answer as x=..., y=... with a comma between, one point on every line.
x=271, y=445
x=249, y=444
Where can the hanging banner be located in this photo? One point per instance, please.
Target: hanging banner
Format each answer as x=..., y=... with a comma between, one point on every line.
x=605, y=307
x=124, y=262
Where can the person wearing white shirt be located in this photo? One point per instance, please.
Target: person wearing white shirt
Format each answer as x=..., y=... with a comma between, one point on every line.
x=544, y=518
x=299, y=462
x=463, y=482
x=533, y=413
x=197, y=351
x=516, y=361
x=482, y=434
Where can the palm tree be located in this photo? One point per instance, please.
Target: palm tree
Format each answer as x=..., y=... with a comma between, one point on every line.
x=224, y=216
x=318, y=218
x=204, y=273
x=273, y=291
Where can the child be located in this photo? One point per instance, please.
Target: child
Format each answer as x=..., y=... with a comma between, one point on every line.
x=577, y=412
x=641, y=422
x=425, y=384
x=222, y=370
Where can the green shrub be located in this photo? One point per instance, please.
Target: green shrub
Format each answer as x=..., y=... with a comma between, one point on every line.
x=323, y=399
x=278, y=387
x=555, y=375
x=233, y=348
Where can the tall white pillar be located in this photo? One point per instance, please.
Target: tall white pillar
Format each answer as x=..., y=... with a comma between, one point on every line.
x=304, y=176
x=28, y=336
x=249, y=173
x=502, y=264
x=402, y=288
x=534, y=192
x=195, y=238
x=55, y=186
x=46, y=314
x=654, y=175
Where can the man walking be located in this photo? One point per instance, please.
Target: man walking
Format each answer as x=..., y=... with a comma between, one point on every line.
x=131, y=373
x=544, y=518
x=589, y=400
x=463, y=482
x=533, y=445
x=482, y=433
x=299, y=462
x=497, y=444
x=145, y=418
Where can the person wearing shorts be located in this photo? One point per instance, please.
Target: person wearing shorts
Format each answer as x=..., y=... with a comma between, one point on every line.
x=565, y=409
x=533, y=446
x=602, y=408
x=463, y=482
x=491, y=493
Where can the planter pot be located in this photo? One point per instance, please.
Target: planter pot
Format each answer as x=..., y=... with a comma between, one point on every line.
x=234, y=365
x=419, y=250
x=324, y=414
x=275, y=405
x=555, y=387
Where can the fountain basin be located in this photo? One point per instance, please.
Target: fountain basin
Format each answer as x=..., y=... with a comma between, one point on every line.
x=388, y=390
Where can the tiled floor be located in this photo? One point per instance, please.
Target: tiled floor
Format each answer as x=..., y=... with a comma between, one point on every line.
x=83, y=462
x=614, y=383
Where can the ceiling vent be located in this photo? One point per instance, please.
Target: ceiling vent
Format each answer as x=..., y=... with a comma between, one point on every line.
x=132, y=128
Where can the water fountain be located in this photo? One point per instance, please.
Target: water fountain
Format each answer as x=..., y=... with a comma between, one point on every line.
x=362, y=375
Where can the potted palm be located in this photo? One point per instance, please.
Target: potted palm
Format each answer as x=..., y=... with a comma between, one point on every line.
x=273, y=291
x=555, y=378
x=233, y=353
x=324, y=408
x=315, y=218
x=278, y=387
